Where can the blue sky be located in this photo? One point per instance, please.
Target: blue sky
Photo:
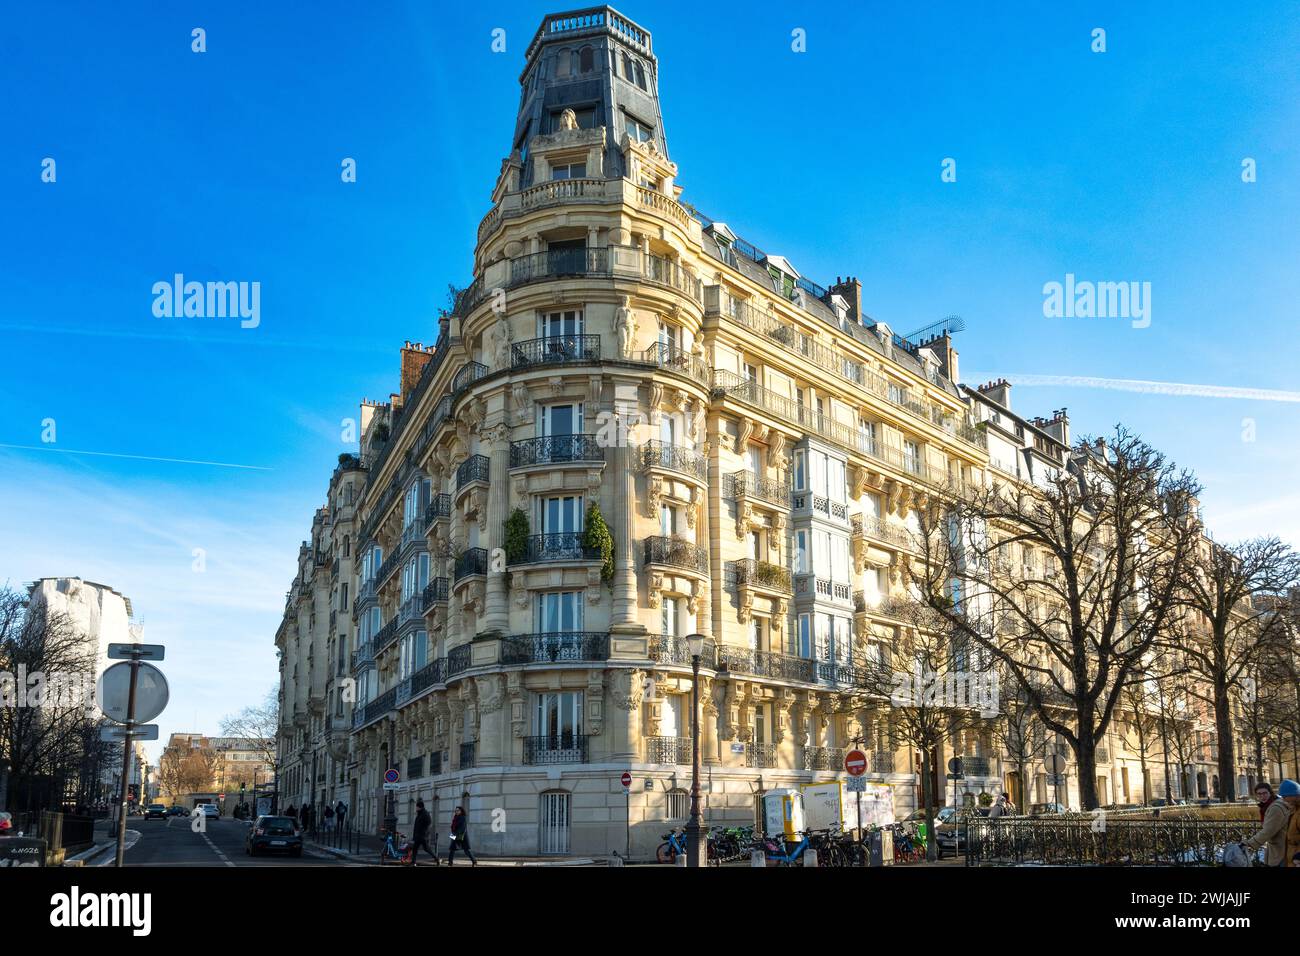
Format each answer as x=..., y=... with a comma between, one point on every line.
x=1115, y=166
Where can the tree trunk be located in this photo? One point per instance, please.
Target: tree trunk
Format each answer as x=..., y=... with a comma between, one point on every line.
x=1223, y=727
x=927, y=798
x=1086, y=755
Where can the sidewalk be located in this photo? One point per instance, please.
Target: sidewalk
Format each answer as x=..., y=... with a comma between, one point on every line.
x=369, y=845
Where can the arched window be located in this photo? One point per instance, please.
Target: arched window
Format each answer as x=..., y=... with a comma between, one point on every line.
x=640, y=76
x=627, y=67
x=563, y=63
x=586, y=60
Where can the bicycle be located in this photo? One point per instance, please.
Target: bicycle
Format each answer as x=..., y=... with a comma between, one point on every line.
x=399, y=852
x=674, y=845
x=780, y=850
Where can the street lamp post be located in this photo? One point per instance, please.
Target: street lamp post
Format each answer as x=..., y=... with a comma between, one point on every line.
x=696, y=850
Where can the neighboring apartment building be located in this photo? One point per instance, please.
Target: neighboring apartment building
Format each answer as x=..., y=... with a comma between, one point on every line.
x=315, y=643
x=756, y=445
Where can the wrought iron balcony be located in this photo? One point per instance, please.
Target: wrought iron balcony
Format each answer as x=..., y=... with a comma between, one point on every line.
x=469, y=373
x=673, y=358
x=823, y=758
x=555, y=350
x=745, y=484
x=878, y=529
x=752, y=573
x=882, y=762
x=556, y=748
x=670, y=273
x=427, y=676
x=380, y=706
x=559, y=263
x=671, y=649
x=385, y=636
x=474, y=468
x=686, y=461
x=472, y=562
x=363, y=656
x=436, y=592
x=391, y=564
x=676, y=552
x=561, y=546
x=458, y=659
x=745, y=660
x=554, y=449
x=412, y=609
x=467, y=753
x=439, y=507
x=673, y=750
x=761, y=756
x=555, y=647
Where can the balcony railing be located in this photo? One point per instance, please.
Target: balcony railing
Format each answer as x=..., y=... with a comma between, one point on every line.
x=467, y=752
x=823, y=758
x=745, y=484
x=872, y=526
x=555, y=449
x=469, y=373
x=752, y=573
x=381, y=705
x=474, y=468
x=436, y=592
x=385, y=636
x=556, y=647
x=439, y=507
x=670, y=273
x=676, y=552
x=391, y=563
x=762, y=756
x=559, y=263
x=474, y=561
x=564, y=747
x=458, y=659
x=745, y=660
x=555, y=350
x=561, y=546
x=809, y=585
x=671, y=649
x=807, y=501
x=673, y=750
x=428, y=675
x=675, y=359
x=687, y=461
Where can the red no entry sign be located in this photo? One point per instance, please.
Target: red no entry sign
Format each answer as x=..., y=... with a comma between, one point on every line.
x=626, y=779
x=855, y=762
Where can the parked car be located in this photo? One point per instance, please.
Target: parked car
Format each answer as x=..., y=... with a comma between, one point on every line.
x=950, y=831
x=209, y=810
x=155, y=811
x=273, y=835
x=1043, y=809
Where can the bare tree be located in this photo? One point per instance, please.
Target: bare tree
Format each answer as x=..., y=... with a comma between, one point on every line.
x=48, y=669
x=1019, y=733
x=1224, y=584
x=1142, y=732
x=1102, y=549
x=258, y=726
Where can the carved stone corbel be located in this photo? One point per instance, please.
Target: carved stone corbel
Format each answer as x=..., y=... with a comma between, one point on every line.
x=626, y=688
x=743, y=435
x=518, y=701
x=744, y=516
x=653, y=589
x=595, y=702
x=654, y=491
x=523, y=400
x=656, y=399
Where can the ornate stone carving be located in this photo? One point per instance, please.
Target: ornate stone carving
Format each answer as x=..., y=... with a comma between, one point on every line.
x=626, y=688
x=523, y=400
x=593, y=585
x=490, y=693
x=595, y=702
x=568, y=120
x=518, y=700
x=625, y=326
x=743, y=435
x=501, y=344
x=656, y=399
x=654, y=491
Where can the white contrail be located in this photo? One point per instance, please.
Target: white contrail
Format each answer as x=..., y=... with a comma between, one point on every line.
x=112, y=454
x=1157, y=388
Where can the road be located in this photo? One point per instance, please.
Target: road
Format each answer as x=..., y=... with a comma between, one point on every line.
x=172, y=842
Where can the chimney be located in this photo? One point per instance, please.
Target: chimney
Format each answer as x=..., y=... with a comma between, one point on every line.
x=941, y=346
x=1058, y=426
x=851, y=290
x=414, y=358
x=998, y=391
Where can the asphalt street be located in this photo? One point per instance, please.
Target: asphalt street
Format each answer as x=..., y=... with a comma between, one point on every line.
x=173, y=842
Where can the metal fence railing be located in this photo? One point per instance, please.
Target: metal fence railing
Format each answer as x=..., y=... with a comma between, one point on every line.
x=1097, y=840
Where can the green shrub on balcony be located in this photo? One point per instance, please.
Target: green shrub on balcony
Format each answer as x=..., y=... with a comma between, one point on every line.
x=772, y=575
x=516, y=535
x=598, y=539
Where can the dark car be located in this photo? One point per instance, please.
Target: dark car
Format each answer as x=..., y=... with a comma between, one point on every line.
x=273, y=835
x=155, y=811
x=950, y=834
x=177, y=811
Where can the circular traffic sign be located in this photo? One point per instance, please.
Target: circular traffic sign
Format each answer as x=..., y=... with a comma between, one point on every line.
x=115, y=689
x=626, y=779
x=1055, y=763
x=855, y=763
x=391, y=776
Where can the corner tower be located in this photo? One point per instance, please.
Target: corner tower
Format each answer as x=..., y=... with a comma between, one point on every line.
x=601, y=66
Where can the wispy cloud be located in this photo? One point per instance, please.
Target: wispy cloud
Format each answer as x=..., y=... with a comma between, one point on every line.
x=1153, y=388
x=116, y=454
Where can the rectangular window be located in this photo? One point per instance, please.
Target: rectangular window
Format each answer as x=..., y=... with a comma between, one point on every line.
x=668, y=616
x=637, y=131
x=569, y=171
x=804, y=637
x=560, y=515
x=800, y=470
x=557, y=420
x=559, y=612
x=801, y=552
x=559, y=324
x=558, y=716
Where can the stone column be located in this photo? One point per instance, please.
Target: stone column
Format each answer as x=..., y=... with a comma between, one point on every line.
x=622, y=523
x=497, y=614
x=491, y=696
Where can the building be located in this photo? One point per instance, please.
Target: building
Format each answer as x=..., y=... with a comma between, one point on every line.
x=634, y=426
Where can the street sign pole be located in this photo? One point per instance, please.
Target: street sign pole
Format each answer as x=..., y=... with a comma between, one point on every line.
x=126, y=760
x=626, y=780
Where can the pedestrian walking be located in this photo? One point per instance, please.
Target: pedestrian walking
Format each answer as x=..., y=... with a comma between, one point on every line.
x=1002, y=808
x=327, y=819
x=460, y=837
x=1277, y=819
x=292, y=813
x=308, y=816
x=420, y=838
x=340, y=812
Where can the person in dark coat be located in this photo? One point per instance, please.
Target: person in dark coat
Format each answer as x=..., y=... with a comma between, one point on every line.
x=327, y=822
x=420, y=838
x=460, y=837
x=292, y=813
x=340, y=812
